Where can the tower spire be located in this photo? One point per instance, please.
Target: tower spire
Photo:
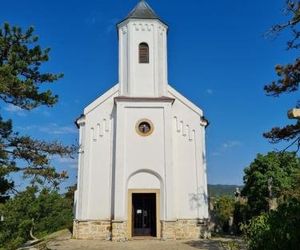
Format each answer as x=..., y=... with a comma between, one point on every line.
x=143, y=11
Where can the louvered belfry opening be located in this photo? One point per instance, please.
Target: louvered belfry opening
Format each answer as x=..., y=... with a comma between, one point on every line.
x=143, y=53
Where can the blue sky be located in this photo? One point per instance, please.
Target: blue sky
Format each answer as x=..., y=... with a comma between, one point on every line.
x=218, y=58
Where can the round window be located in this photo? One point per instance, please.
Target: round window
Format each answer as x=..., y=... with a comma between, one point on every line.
x=144, y=127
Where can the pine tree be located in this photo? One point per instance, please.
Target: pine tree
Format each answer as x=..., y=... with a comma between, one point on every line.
x=21, y=77
x=289, y=75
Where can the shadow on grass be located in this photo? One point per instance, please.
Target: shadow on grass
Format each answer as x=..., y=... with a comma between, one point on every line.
x=205, y=244
x=232, y=243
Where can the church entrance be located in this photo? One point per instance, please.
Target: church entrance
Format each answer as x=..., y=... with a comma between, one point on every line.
x=144, y=214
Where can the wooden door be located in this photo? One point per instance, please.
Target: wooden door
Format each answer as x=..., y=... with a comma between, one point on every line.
x=144, y=214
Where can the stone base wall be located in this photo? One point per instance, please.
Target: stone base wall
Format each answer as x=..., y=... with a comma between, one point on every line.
x=168, y=230
x=119, y=231
x=184, y=229
x=92, y=230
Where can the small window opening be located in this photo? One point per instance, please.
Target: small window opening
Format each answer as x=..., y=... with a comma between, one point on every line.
x=143, y=53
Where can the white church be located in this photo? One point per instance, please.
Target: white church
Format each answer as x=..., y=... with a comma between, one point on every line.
x=142, y=167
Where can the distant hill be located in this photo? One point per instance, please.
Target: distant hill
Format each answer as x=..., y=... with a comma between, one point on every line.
x=219, y=190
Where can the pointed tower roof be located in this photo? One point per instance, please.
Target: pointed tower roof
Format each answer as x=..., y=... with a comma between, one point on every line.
x=142, y=11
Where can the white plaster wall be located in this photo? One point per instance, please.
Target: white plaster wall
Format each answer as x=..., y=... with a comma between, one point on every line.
x=172, y=159
x=189, y=159
x=152, y=154
x=95, y=185
x=146, y=80
x=182, y=173
x=144, y=152
x=144, y=181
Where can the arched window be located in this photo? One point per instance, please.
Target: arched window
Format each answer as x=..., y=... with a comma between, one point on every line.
x=143, y=53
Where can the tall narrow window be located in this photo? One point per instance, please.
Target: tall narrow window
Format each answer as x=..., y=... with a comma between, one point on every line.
x=143, y=53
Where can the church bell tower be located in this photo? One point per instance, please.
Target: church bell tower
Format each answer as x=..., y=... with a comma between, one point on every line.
x=143, y=53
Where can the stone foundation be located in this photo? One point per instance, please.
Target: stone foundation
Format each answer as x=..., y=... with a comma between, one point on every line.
x=184, y=229
x=92, y=230
x=119, y=231
x=168, y=230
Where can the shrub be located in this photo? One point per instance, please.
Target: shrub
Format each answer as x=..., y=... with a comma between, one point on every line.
x=45, y=212
x=275, y=230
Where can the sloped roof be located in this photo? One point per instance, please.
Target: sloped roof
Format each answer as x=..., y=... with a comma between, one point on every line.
x=142, y=11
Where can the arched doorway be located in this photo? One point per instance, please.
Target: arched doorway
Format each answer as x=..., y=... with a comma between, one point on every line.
x=144, y=205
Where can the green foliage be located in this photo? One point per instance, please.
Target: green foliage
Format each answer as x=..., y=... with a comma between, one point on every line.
x=230, y=245
x=275, y=230
x=20, y=62
x=21, y=79
x=280, y=228
x=268, y=177
x=294, y=192
x=70, y=193
x=223, y=211
x=44, y=212
x=224, y=208
x=241, y=215
x=255, y=229
x=5, y=185
x=17, y=220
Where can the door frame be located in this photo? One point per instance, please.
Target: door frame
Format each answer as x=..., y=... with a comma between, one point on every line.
x=157, y=198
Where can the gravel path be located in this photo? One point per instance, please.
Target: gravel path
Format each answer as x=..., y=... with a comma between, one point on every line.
x=62, y=241
x=214, y=244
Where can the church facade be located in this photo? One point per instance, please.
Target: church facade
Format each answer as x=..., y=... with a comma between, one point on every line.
x=142, y=167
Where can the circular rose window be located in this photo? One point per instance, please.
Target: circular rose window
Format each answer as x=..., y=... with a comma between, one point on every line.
x=144, y=127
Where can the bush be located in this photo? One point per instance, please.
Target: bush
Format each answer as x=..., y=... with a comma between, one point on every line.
x=45, y=212
x=275, y=230
x=268, y=177
x=223, y=213
x=241, y=215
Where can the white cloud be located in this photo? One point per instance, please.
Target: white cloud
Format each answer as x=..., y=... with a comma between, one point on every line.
x=215, y=154
x=10, y=108
x=231, y=144
x=72, y=163
x=52, y=129
x=226, y=146
x=67, y=162
x=55, y=129
x=209, y=91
